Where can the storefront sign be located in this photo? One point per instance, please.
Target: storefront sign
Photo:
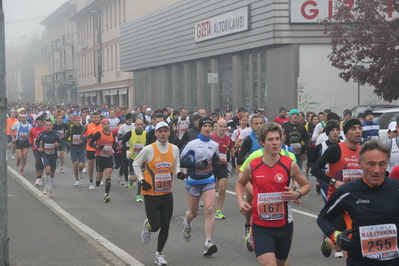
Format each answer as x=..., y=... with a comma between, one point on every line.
x=225, y=24
x=212, y=78
x=314, y=11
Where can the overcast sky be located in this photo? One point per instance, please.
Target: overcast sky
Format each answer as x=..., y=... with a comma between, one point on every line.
x=19, y=31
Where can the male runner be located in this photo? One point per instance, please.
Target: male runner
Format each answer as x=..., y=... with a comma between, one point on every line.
x=225, y=144
x=10, y=135
x=77, y=149
x=47, y=143
x=271, y=174
x=182, y=123
x=104, y=143
x=61, y=128
x=33, y=134
x=22, y=129
x=161, y=161
x=371, y=203
x=199, y=155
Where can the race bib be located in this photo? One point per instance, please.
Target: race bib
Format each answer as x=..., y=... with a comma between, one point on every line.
x=163, y=182
x=23, y=136
x=49, y=148
x=223, y=158
x=296, y=147
x=204, y=171
x=350, y=175
x=137, y=148
x=379, y=242
x=61, y=133
x=76, y=139
x=106, y=151
x=270, y=206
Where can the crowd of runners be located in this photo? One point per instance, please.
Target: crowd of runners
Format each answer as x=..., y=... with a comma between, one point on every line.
x=149, y=147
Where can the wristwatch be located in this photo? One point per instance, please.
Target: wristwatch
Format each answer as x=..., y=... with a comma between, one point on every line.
x=299, y=194
x=332, y=182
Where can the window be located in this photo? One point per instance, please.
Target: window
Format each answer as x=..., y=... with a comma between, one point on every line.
x=110, y=16
x=112, y=57
x=119, y=10
x=116, y=57
x=106, y=17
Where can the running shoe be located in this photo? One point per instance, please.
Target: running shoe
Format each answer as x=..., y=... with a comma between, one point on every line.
x=159, y=259
x=201, y=203
x=38, y=182
x=91, y=186
x=130, y=184
x=50, y=193
x=18, y=162
x=325, y=248
x=62, y=170
x=84, y=170
x=81, y=175
x=248, y=243
x=102, y=183
x=107, y=198
x=45, y=191
x=22, y=172
x=76, y=183
x=138, y=198
x=247, y=229
x=122, y=182
x=339, y=254
x=210, y=248
x=145, y=235
x=186, y=231
x=219, y=215
x=12, y=157
x=119, y=181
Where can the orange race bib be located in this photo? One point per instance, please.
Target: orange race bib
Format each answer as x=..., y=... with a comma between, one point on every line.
x=270, y=206
x=379, y=242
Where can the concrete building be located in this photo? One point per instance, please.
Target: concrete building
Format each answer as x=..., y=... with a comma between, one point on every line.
x=266, y=53
x=98, y=60
x=59, y=49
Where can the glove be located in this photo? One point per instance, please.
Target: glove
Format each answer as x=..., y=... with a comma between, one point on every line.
x=90, y=136
x=236, y=154
x=100, y=147
x=344, y=241
x=181, y=175
x=201, y=164
x=128, y=154
x=145, y=185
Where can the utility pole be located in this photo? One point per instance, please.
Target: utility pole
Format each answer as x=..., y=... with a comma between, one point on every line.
x=4, y=260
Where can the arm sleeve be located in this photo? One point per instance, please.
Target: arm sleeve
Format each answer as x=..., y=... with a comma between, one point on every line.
x=331, y=155
x=316, y=132
x=94, y=139
x=176, y=157
x=331, y=210
x=146, y=155
x=83, y=136
x=246, y=146
x=315, y=155
x=185, y=161
x=126, y=138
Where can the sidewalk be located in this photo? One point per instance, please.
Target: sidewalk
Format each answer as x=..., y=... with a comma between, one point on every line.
x=39, y=237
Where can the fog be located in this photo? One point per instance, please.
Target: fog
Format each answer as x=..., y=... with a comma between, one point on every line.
x=22, y=18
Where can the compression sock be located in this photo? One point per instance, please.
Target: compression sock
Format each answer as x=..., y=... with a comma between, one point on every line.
x=107, y=186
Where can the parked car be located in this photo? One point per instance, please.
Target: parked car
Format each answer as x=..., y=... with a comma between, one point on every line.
x=361, y=108
x=385, y=117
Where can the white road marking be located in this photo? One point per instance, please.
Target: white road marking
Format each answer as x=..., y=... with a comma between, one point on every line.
x=96, y=236
x=294, y=210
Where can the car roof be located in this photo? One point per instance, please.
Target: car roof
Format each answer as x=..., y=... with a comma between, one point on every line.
x=386, y=110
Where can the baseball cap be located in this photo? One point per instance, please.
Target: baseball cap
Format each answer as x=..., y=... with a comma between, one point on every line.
x=392, y=126
x=148, y=109
x=161, y=124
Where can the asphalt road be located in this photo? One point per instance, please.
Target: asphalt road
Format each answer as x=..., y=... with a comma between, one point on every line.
x=118, y=224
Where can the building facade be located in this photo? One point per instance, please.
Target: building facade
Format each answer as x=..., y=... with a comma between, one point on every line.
x=264, y=53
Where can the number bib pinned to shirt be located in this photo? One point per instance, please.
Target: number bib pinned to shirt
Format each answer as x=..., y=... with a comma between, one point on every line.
x=163, y=182
x=270, y=206
x=296, y=147
x=76, y=140
x=350, y=175
x=61, y=133
x=49, y=148
x=379, y=242
x=137, y=148
x=106, y=151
